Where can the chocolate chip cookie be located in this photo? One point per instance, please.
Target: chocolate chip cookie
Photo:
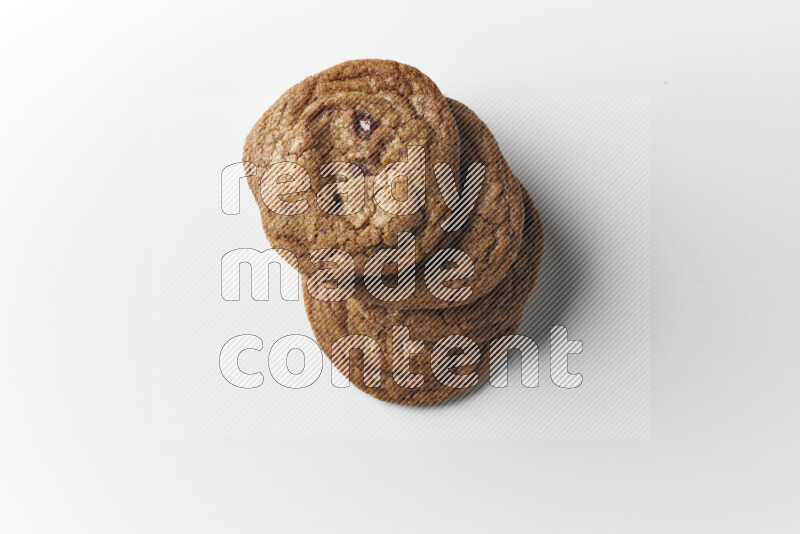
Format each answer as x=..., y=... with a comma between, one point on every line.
x=496, y=314
x=346, y=161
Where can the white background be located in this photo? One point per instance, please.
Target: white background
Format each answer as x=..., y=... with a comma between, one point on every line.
x=78, y=452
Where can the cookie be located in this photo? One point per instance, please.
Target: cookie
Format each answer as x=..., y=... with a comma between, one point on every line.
x=490, y=236
x=346, y=161
x=494, y=315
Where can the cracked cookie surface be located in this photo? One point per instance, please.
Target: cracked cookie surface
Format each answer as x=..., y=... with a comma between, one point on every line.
x=343, y=126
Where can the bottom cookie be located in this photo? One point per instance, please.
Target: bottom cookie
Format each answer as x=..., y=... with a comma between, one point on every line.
x=419, y=357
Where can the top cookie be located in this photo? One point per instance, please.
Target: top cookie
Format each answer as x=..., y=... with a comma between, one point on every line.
x=324, y=150
x=489, y=235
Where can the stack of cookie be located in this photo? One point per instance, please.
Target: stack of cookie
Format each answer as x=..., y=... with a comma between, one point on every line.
x=418, y=246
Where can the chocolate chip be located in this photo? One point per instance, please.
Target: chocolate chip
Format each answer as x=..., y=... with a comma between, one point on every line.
x=365, y=124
